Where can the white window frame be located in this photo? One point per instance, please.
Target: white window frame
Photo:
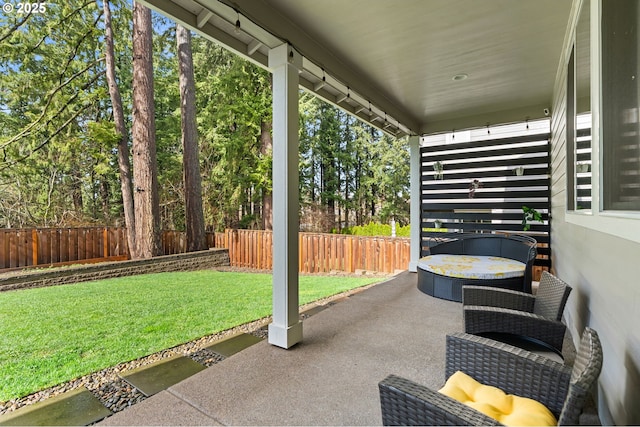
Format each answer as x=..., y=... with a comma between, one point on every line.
x=624, y=224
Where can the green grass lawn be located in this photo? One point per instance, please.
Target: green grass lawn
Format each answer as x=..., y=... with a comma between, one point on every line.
x=54, y=334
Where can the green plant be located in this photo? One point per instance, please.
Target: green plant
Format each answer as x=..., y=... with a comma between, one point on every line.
x=529, y=214
x=438, y=167
x=473, y=186
x=377, y=229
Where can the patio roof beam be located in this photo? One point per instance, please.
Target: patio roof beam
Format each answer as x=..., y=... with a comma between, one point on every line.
x=216, y=20
x=321, y=88
x=203, y=17
x=340, y=98
x=253, y=47
x=261, y=13
x=201, y=22
x=322, y=83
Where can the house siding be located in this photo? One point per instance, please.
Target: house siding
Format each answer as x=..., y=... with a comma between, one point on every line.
x=604, y=271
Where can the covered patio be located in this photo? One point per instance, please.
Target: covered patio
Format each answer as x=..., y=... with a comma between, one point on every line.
x=331, y=377
x=422, y=67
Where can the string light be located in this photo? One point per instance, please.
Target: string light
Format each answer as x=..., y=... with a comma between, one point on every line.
x=237, y=29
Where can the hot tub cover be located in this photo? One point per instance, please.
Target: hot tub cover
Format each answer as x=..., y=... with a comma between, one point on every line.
x=472, y=266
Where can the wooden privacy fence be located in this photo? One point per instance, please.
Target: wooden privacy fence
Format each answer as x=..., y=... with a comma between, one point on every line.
x=28, y=247
x=319, y=253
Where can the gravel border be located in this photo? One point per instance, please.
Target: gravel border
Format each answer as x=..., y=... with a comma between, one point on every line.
x=117, y=394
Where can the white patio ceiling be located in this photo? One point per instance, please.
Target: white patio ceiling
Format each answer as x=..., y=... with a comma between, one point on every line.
x=401, y=56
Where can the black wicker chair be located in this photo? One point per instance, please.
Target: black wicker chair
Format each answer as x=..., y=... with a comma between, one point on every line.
x=539, y=317
x=562, y=389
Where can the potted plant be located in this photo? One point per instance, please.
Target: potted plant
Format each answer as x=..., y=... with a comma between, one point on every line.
x=475, y=184
x=438, y=167
x=529, y=214
x=582, y=167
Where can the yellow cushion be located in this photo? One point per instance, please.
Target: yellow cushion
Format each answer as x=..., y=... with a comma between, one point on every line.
x=507, y=409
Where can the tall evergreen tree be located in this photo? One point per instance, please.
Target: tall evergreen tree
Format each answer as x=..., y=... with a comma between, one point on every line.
x=51, y=80
x=61, y=132
x=124, y=165
x=234, y=99
x=146, y=202
x=266, y=147
x=194, y=218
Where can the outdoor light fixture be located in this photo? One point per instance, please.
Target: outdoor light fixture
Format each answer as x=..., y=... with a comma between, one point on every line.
x=321, y=83
x=339, y=93
x=237, y=29
x=247, y=32
x=459, y=77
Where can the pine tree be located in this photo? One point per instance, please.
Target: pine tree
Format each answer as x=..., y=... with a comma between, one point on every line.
x=124, y=165
x=146, y=202
x=194, y=218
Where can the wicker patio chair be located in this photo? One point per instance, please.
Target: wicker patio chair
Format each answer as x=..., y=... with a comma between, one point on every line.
x=562, y=389
x=494, y=310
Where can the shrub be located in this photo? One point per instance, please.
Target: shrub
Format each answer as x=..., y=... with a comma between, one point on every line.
x=377, y=229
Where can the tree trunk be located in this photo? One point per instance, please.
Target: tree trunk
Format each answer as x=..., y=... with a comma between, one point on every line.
x=104, y=196
x=266, y=145
x=145, y=168
x=346, y=200
x=194, y=216
x=331, y=215
x=124, y=165
x=76, y=190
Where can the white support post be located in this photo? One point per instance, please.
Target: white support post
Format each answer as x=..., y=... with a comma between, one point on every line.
x=286, y=328
x=416, y=201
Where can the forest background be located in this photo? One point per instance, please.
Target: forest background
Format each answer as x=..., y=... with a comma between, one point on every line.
x=58, y=141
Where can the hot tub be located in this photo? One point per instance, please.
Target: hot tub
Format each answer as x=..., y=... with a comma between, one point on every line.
x=459, y=259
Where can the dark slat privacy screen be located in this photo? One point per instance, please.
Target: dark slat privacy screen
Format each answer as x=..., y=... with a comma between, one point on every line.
x=481, y=186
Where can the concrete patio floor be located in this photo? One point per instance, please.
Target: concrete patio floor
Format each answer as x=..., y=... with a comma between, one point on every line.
x=330, y=378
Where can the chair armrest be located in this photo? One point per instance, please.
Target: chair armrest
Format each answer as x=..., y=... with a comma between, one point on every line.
x=497, y=297
x=513, y=370
x=407, y=403
x=478, y=320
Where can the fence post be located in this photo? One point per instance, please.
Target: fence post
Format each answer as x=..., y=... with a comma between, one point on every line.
x=105, y=243
x=349, y=254
x=34, y=246
x=260, y=242
x=301, y=250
